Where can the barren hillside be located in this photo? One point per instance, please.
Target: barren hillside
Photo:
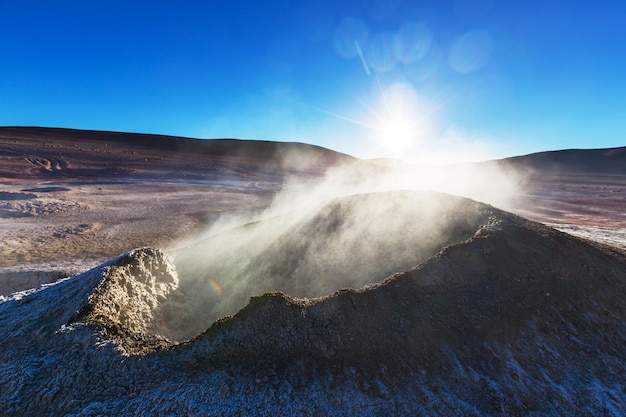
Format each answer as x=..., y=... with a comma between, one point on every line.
x=49, y=154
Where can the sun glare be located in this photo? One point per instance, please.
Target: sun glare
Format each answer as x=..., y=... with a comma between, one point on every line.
x=396, y=123
x=397, y=118
x=398, y=134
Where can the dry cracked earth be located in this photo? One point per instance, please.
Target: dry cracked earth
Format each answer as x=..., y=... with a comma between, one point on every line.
x=378, y=303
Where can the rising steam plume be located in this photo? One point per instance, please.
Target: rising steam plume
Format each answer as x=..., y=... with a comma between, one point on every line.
x=347, y=231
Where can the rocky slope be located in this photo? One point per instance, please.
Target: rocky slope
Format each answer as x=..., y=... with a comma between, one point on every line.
x=502, y=317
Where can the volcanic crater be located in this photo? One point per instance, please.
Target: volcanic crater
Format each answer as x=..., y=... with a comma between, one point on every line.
x=471, y=310
x=349, y=242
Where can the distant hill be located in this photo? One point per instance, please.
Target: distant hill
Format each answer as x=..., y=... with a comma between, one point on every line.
x=31, y=152
x=571, y=161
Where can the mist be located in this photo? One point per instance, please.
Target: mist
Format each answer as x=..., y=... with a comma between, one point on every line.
x=357, y=225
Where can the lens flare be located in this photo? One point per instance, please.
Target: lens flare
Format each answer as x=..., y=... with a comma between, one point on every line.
x=471, y=52
x=350, y=32
x=214, y=287
x=412, y=42
x=380, y=52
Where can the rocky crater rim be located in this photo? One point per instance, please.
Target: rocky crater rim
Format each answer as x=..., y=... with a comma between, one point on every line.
x=349, y=243
x=138, y=302
x=142, y=304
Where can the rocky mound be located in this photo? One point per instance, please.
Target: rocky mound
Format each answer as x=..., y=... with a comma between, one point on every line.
x=508, y=317
x=139, y=303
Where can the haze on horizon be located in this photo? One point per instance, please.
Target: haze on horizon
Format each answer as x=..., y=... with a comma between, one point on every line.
x=434, y=82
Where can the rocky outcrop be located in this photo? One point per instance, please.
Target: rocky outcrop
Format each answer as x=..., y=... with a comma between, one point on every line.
x=514, y=319
x=139, y=303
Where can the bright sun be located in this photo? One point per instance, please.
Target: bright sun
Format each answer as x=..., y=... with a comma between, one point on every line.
x=398, y=133
x=397, y=118
x=397, y=122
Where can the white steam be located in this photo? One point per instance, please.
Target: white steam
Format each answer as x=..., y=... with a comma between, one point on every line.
x=347, y=230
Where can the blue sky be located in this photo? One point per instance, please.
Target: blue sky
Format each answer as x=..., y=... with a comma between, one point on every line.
x=427, y=81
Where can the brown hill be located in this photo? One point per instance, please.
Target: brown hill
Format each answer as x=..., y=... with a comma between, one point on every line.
x=570, y=161
x=36, y=154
